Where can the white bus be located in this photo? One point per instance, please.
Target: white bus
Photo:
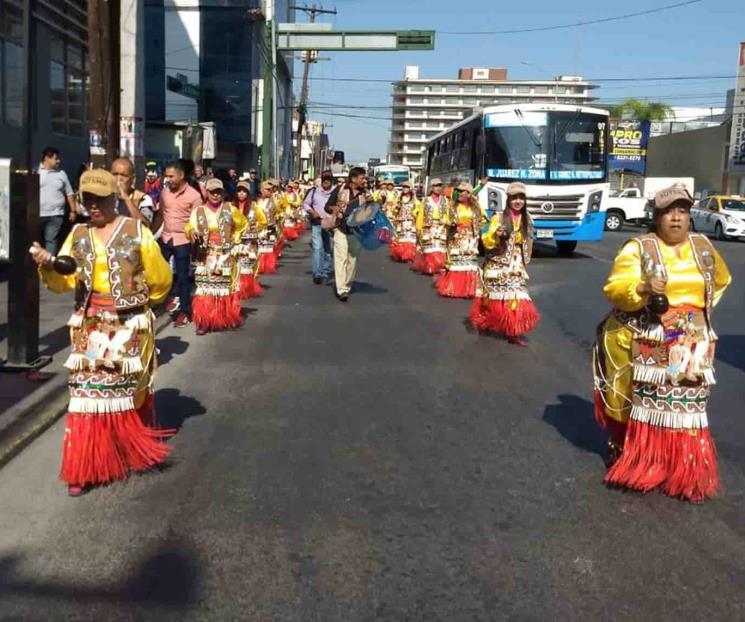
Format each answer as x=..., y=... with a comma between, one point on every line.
x=559, y=151
x=398, y=173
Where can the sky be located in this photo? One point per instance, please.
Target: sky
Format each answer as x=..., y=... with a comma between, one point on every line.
x=699, y=39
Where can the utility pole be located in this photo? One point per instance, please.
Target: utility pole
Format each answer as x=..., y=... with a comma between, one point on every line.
x=302, y=109
x=132, y=92
x=103, y=67
x=267, y=158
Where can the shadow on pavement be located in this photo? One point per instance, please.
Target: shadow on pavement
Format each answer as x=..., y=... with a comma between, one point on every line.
x=361, y=287
x=173, y=408
x=169, y=347
x=731, y=350
x=167, y=578
x=573, y=417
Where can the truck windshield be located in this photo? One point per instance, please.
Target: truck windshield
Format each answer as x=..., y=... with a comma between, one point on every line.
x=549, y=147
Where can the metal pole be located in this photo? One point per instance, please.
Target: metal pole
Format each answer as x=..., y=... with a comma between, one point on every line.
x=275, y=151
x=29, y=102
x=266, y=116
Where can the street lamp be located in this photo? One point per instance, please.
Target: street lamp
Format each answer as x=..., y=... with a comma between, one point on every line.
x=553, y=77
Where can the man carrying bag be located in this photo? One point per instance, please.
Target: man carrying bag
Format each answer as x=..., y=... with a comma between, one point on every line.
x=342, y=202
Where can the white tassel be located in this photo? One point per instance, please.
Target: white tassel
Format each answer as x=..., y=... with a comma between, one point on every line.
x=141, y=321
x=649, y=374
x=100, y=406
x=75, y=362
x=131, y=365
x=76, y=320
x=655, y=334
x=675, y=421
x=709, y=377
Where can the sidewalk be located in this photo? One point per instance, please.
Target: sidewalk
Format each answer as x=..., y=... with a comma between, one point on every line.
x=29, y=406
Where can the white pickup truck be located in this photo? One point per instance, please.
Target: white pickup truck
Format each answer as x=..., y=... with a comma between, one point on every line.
x=629, y=205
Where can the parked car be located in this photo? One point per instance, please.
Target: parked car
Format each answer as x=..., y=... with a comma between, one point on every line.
x=722, y=216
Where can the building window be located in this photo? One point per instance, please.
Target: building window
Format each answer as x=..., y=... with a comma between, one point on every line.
x=67, y=84
x=11, y=65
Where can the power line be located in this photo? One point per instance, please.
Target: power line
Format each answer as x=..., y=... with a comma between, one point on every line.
x=579, y=24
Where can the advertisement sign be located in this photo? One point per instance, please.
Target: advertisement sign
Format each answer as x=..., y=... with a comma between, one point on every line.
x=628, y=149
x=95, y=143
x=737, y=139
x=130, y=137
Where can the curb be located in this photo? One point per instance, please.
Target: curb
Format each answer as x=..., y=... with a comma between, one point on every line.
x=36, y=413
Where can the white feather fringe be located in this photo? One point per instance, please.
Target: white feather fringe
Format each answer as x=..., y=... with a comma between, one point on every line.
x=100, y=406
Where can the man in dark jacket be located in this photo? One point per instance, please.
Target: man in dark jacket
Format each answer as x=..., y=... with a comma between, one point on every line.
x=343, y=200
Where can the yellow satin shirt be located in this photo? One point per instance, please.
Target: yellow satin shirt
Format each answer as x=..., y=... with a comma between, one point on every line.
x=438, y=211
x=239, y=222
x=157, y=273
x=685, y=283
x=463, y=215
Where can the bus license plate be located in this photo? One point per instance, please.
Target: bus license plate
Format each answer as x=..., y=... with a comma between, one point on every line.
x=544, y=234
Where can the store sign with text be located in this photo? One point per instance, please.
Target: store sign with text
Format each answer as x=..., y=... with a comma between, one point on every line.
x=628, y=148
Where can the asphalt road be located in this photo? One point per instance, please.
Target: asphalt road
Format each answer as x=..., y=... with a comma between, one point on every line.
x=376, y=460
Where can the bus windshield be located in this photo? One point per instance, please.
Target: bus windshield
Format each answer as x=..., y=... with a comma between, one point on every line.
x=397, y=177
x=578, y=147
x=548, y=147
x=516, y=145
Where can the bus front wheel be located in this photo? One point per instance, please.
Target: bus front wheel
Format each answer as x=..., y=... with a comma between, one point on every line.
x=566, y=247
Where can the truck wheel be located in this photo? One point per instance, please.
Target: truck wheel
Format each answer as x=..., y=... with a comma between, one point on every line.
x=613, y=221
x=719, y=232
x=566, y=248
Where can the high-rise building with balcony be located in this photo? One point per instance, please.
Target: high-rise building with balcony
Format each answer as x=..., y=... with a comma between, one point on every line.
x=424, y=107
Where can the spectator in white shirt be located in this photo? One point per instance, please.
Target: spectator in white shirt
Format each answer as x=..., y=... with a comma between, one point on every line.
x=55, y=192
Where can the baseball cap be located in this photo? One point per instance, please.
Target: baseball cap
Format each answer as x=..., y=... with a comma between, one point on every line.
x=667, y=196
x=464, y=185
x=214, y=184
x=406, y=184
x=516, y=187
x=99, y=182
x=435, y=181
x=244, y=184
x=327, y=174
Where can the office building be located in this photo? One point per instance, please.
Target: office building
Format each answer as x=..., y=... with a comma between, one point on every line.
x=58, y=109
x=205, y=65
x=423, y=107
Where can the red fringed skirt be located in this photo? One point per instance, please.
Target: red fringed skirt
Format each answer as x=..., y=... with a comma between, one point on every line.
x=458, y=283
x=403, y=252
x=429, y=263
x=267, y=262
x=279, y=248
x=250, y=286
x=512, y=318
x=290, y=233
x=101, y=448
x=217, y=312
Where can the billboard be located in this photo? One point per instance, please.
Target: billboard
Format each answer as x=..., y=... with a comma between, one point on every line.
x=737, y=138
x=628, y=148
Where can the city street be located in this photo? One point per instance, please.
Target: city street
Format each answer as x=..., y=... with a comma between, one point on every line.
x=377, y=460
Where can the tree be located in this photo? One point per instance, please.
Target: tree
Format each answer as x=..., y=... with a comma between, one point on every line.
x=642, y=110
